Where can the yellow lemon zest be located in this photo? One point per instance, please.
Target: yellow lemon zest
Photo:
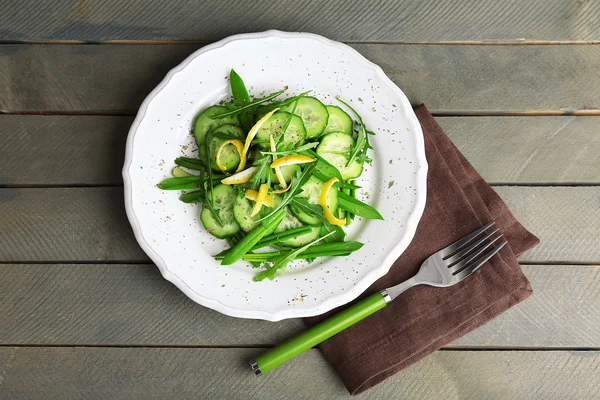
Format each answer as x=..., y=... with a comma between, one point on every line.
x=291, y=160
x=279, y=191
x=323, y=203
x=253, y=195
x=238, y=145
x=278, y=173
x=240, y=177
x=260, y=199
x=253, y=131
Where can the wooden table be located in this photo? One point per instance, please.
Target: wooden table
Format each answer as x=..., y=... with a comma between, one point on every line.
x=85, y=315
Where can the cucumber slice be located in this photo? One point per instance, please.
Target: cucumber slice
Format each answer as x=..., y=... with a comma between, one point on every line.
x=336, y=142
x=301, y=240
x=229, y=156
x=312, y=192
x=288, y=173
x=228, y=131
x=224, y=198
x=241, y=212
x=204, y=122
x=338, y=121
x=354, y=170
x=335, y=147
x=308, y=219
x=313, y=113
x=289, y=222
x=293, y=136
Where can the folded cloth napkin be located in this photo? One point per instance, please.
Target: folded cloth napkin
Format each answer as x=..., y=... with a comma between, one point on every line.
x=424, y=318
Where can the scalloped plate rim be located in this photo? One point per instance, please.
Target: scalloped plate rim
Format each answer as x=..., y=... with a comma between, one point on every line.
x=328, y=303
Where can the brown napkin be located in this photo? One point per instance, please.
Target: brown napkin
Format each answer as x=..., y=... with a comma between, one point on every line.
x=424, y=319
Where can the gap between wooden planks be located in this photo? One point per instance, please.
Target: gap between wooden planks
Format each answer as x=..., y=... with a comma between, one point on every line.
x=434, y=112
x=515, y=42
x=450, y=79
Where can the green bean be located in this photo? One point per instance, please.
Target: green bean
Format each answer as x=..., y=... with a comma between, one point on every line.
x=357, y=207
x=197, y=196
x=272, y=239
x=191, y=163
x=185, y=182
x=253, y=238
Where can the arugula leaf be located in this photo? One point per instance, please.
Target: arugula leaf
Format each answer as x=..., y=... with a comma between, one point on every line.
x=302, y=204
x=263, y=172
x=240, y=97
x=209, y=200
x=324, y=170
x=306, y=146
x=362, y=141
x=253, y=104
x=279, y=104
x=299, y=180
x=225, y=135
x=282, y=261
x=289, y=120
x=338, y=234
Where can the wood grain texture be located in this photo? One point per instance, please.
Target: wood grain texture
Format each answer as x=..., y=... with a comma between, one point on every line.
x=91, y=373
x=65, y=224
x=381, y=20
x=62, y=150
x=527, y=150
x=88, y=224
x=116, y=304
x=565, y=219
x=504, y=150
x=131, y=305
x=455, y=79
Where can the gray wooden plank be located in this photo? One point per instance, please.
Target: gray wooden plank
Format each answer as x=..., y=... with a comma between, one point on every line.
x=62, y=150
x=65, y=224
x=83, y=224
x=447, y=78
x=129, y=305
x=145, y=373
x=503, y=149
x=529, y=149
x=116, y=304
x=564, y=218
x=562, y=312
x=382, y=20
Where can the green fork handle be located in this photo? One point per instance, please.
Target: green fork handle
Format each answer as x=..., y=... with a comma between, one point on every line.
x=289, y=349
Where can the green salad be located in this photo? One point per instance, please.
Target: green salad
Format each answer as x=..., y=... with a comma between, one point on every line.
x=276, y=178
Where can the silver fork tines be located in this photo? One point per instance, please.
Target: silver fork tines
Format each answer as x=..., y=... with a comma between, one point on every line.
x=474, y=266
x=456, y=246
x=455, y=262
x=465, y=251
x=473, y=253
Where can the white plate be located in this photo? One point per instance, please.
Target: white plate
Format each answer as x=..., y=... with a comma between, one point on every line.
x=170, y=231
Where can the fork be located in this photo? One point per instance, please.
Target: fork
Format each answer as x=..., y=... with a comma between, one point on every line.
x=445, y=268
